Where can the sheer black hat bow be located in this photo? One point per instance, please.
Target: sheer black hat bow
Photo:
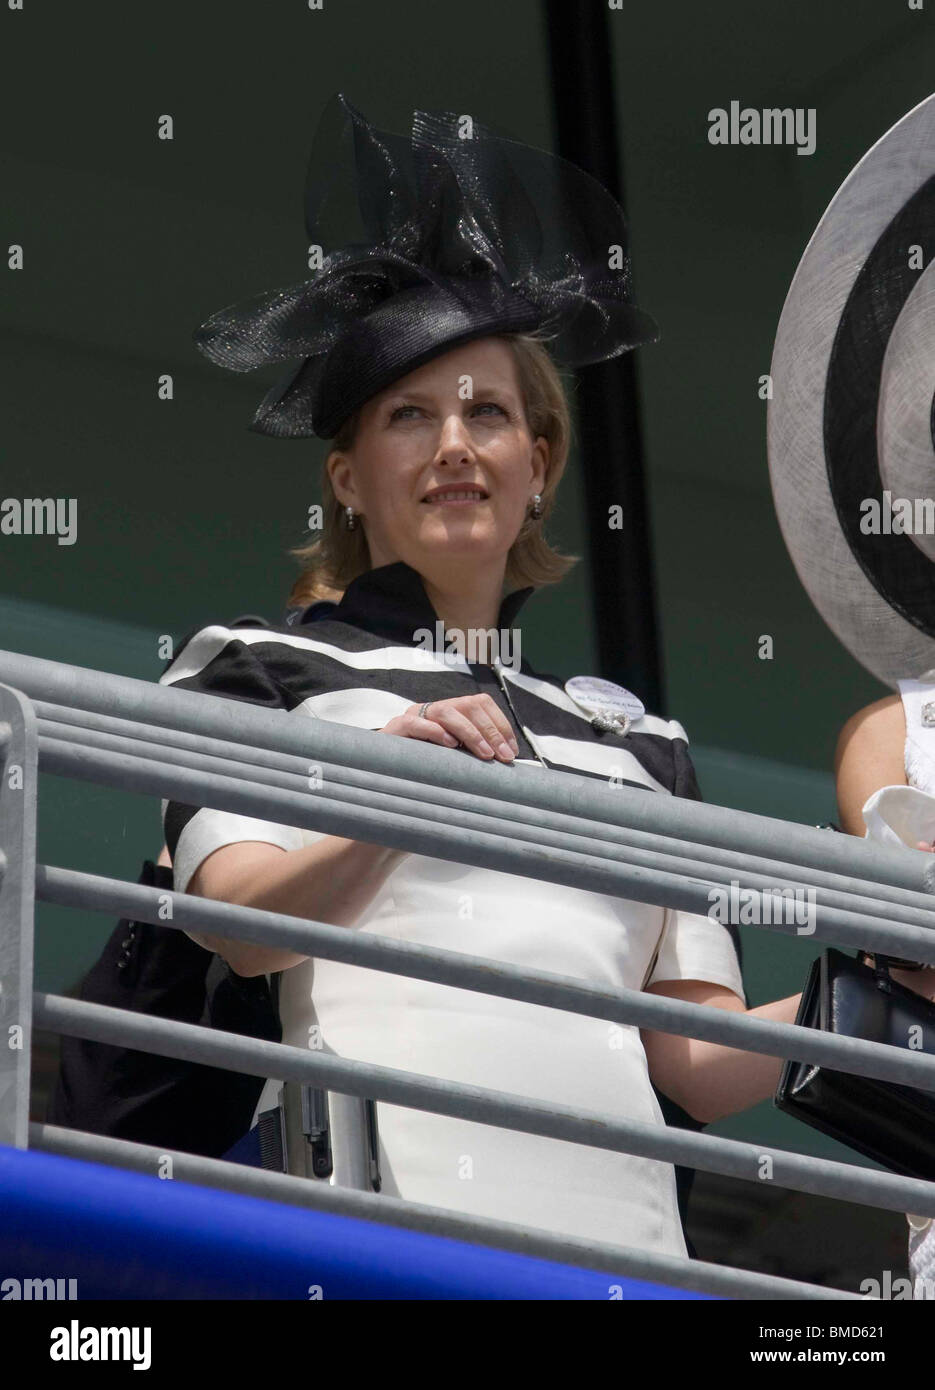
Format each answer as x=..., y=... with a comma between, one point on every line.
x=420, y=243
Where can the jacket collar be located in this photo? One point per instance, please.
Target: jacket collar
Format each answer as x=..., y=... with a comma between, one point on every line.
x=391, y=602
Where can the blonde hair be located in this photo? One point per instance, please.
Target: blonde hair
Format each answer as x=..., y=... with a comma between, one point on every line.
x=339, y=555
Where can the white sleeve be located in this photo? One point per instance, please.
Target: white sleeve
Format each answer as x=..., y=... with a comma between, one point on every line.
x=694, y=947
x=209, y=830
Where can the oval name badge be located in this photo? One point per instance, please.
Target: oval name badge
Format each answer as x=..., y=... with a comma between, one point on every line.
x=604, y=698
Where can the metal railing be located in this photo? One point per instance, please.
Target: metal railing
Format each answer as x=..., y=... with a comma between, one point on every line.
x=571, y=830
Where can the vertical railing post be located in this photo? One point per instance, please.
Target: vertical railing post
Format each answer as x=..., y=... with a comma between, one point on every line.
x=18, y=796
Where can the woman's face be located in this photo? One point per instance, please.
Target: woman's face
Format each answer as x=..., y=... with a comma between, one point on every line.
x=456, y=424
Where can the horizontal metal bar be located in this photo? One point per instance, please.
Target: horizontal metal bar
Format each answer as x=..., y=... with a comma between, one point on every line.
x=696, y=1275
x=573, y=834
x=257, y=1057
x=567, y=793
x=857, y=1056
x=905, y=906
x=920, y=881
x=318, y=811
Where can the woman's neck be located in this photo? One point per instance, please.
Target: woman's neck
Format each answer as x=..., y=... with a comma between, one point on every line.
x=461, y=607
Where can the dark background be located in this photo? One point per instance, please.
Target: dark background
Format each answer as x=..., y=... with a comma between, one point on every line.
x=185, y=516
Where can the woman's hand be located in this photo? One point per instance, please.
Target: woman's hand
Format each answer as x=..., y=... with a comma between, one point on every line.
x=476, y=721
x=919, y=981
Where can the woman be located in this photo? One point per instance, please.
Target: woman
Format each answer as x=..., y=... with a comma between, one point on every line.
x=885, y=770
x=427, y=370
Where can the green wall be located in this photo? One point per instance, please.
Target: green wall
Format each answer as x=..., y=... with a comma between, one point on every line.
x=186, y=516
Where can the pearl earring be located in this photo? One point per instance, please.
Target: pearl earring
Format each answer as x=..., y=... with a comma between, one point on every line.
x=536, y=507
x=350, y=518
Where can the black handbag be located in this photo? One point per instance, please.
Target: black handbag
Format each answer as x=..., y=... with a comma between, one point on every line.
x=144, y=1096
x=886, y=1121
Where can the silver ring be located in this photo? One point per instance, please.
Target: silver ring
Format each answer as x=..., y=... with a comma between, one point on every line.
x=423, y=708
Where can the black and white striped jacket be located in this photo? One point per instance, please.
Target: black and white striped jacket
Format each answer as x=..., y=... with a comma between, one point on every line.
x=362, y=664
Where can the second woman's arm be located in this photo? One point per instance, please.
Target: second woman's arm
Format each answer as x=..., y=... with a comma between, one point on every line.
x=869, y=756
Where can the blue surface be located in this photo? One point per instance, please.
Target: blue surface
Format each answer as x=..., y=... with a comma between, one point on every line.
x=126, y=1235
x=247, y=1150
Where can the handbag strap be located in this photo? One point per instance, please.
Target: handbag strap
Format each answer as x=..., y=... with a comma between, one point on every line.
x=884, y=964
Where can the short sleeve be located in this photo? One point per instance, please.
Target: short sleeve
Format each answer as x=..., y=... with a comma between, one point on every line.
x=694, y=947
x=220, y=661
x=207, y=830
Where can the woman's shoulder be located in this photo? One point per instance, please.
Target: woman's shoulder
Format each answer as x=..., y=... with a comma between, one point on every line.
x=872, y=739
x=236, y=655
x=880, y=719
x=649, y=751
x=214, y=637
x=300, y=629
x=276, y=664
x=653, y=725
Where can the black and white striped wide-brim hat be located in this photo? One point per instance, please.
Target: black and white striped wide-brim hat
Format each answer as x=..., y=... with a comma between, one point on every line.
x=851, y=422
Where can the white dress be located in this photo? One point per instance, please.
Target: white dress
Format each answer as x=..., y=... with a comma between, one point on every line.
x=530, y=1050
x=904, y=815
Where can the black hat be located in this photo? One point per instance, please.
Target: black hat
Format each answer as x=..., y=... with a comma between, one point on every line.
x=428, y=241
